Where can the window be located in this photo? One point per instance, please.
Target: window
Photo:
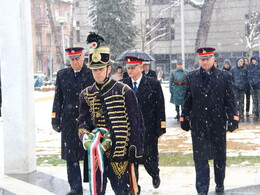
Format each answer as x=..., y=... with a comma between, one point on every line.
x=37, y=12
x=39, y=41
x=158, y=2
x=47, y=13
x=78, y=35
x=48, y=39
x=66, y=15
x=77, y=4
x=57, y=13
x=162, y=29
x=39, y=65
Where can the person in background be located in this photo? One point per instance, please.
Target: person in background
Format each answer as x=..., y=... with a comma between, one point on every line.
x=248, y=93
x=69, y=83
x=196, y=66
x=227, y=65
x=118, y=76
x=177, y=85
x=240, y=82
x=147, y=71
x=254, y=81
x=209, y=92
x=159, y=74
x=151, y=100
x=216, y=63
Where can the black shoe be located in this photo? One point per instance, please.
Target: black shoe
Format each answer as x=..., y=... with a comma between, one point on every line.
x=202, y=193
x=156, y=181
x=75, y=192
x=139, y=190
x=219, y=188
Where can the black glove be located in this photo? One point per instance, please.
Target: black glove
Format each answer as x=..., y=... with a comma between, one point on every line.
x=132, y=158
x=56, y=128
x=232, y=125
x=185, y=125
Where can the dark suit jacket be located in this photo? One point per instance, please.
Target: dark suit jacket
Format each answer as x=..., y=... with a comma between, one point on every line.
x=151, y=100
x=151, y=73
x=66, y=110
x=205, y=106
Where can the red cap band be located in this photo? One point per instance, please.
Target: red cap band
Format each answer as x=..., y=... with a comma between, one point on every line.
x=74, y=53
x=206, y=53
x=134, y=62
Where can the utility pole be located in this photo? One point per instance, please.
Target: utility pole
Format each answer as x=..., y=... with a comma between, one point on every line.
x=170, y=38
x=182, y=35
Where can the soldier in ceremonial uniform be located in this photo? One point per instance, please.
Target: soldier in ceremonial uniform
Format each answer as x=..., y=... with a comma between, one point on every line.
x=69, y=83
x=209, y=91
x=151, y=100
x=177, y=86
x=111, y=107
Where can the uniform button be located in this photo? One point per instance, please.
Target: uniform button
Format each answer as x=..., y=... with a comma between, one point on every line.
x=76, y=106
x=206, y=95
x=206, y=121
x=77, y=93
x=206, y=108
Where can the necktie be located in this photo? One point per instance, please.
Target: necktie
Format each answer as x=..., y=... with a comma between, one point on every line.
x=135, y=86
x=77, y=74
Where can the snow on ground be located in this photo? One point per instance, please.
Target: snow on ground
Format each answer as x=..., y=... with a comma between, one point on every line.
x=244, y=141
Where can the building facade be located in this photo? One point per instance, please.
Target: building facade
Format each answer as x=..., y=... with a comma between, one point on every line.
x=160, y=33
x=50, y=28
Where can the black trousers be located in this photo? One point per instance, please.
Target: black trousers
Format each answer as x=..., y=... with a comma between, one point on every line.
x=74, y=175
x=247, y=99
x=151, y=155
x=177, y=108
x=150, y=158
x=118, y=183
x=203, y=176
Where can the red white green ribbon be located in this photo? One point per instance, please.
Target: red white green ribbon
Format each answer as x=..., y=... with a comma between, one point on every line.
x=95, y=160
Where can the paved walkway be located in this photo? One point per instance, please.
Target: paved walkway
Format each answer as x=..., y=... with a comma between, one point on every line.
x=174, y=180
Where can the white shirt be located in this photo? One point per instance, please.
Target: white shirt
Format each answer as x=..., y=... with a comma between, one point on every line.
x=137, y=81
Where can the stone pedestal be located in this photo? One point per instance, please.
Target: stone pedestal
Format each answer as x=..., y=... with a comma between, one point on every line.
x=17, y=86
x=1, y=149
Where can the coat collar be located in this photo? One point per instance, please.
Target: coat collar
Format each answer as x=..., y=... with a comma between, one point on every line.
x=212, y=82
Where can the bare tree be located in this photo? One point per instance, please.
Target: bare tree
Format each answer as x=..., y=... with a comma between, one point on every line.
x=55, y=35
x=206, y=13
x=154, y=28
x=71, y=43
x=252, y=34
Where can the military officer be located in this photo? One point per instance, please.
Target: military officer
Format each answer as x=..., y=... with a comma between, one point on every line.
x=209, y=91
x=111, y=107
x=150, y=97
x=69, y=83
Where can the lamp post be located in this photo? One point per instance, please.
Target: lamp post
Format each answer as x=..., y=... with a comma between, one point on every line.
x=61, y=21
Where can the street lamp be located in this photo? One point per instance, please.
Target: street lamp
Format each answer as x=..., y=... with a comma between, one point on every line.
x=61, y=21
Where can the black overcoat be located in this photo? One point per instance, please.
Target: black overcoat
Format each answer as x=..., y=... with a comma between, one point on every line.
x=151, y=73
x=66, y=110
x=205, y=106
x=151, y=100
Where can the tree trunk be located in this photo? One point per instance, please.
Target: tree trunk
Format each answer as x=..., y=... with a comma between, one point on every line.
x=71, y=25
x=206, y=13
x=59, y=52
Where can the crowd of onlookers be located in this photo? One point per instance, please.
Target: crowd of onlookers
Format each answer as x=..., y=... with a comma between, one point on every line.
x=246, y=82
